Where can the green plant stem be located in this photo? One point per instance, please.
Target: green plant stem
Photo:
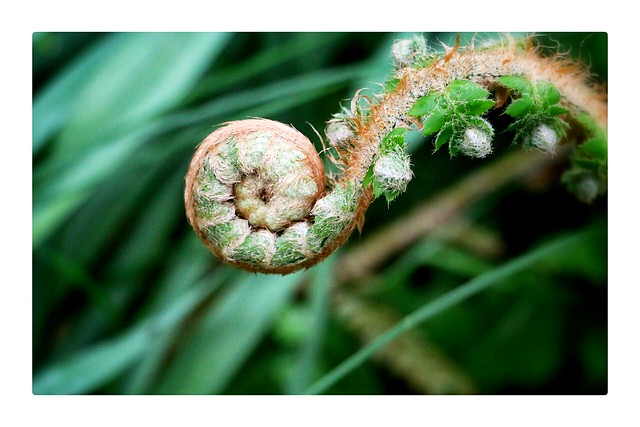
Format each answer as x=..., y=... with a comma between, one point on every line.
x=446, y=301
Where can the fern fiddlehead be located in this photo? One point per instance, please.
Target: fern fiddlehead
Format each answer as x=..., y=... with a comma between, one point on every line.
x=256, y=191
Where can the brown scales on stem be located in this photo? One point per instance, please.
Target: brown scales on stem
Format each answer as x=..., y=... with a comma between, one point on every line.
x=484, y=67
x=355, y=157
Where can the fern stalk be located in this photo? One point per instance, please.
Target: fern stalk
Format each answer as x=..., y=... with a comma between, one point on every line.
x=256, y=192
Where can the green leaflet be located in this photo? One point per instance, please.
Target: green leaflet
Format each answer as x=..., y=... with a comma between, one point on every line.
x=537, y=113
x=444, y=136
x=476, y=107
x=517, y=83
x=450, y=113
x=391, y=172
x=537, y=105
x=520, y=107
x=465, y=91
x=434, y=122
x=425, y=105
x=587, y=178
x=393, y=140
x=548, y=93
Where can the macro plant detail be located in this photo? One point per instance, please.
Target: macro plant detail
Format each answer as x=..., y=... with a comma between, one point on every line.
x=476, y=270
x=256, y=192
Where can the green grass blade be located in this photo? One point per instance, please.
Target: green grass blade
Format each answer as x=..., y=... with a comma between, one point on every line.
x=126, y=79
x=226, y=335
x=139, y=77
x=306, y=365
x=91, y=368
x=299, y=45
x=434, y=253
x=52, y=106
x=448, y=300
x=156, y=222
x=148, y=74
x=116, y=202
x=60, y=194
x=276, y=91
x=184, y=269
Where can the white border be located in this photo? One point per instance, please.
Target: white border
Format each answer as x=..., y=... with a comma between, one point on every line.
x=18, y=402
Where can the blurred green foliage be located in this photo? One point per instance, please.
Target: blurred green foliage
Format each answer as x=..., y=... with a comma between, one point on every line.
x=127, y=301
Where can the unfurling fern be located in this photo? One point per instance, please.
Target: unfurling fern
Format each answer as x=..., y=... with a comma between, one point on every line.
x=256, y=191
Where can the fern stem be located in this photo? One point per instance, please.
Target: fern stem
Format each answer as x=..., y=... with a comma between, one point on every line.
x=256, y=192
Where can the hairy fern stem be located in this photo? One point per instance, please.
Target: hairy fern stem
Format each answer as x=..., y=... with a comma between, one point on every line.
x=256, y=192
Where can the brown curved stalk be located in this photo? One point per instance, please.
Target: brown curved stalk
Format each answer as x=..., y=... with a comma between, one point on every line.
x=244, y=233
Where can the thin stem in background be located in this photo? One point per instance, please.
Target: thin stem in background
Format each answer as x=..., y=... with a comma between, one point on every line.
x=446, y=301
